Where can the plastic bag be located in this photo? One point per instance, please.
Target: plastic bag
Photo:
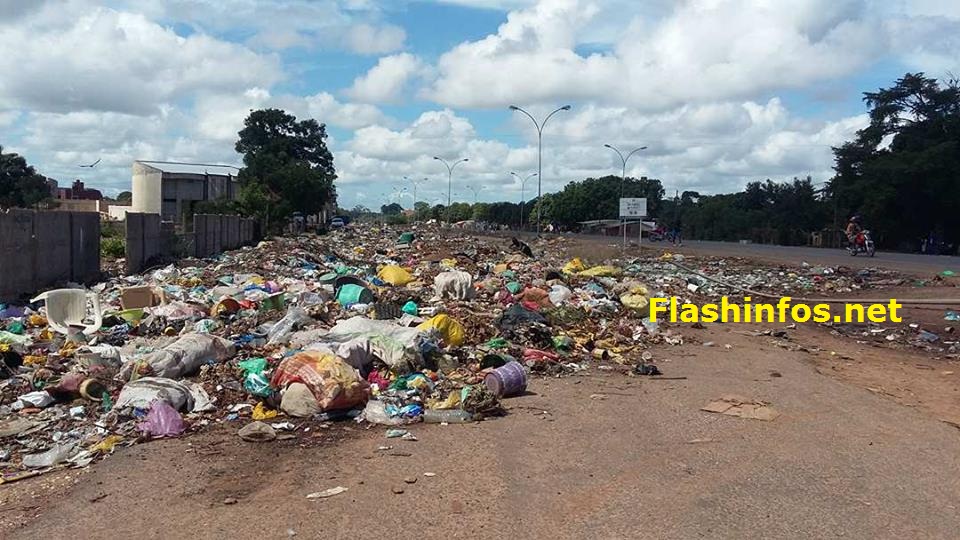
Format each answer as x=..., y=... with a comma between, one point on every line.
x=598, y=271
x=56, y=454
x=252, y=365
x=280, y=333
x=574, y=266
x=451, y=331
x=184, y=356
x=376, y=413
x=393, y=344
x=395, y=275
x=332, y=381
x=162, y=421
x=636, y=301
x=559, y=294
x=141, y=393
x=299, y=402
x=455, y=284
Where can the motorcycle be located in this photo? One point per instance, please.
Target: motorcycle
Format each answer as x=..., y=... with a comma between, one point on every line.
x=862, y=243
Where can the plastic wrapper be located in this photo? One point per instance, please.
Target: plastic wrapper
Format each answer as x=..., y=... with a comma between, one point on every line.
x=280, y=332
x=162, y=421
x=56, y=454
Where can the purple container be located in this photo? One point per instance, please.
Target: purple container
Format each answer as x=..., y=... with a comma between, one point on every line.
x=507, y=380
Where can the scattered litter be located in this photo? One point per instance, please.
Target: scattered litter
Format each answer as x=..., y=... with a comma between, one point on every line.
x=327, y=493
x=733, y=405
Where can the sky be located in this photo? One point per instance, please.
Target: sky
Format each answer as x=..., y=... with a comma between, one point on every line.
x=721, y=92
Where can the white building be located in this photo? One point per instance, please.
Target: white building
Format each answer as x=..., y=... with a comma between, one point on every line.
x=171, y=188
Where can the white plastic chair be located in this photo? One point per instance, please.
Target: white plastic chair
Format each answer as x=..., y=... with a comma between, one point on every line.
x=68, y=307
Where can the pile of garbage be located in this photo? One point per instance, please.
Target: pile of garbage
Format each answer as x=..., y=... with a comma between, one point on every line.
x=366, y=324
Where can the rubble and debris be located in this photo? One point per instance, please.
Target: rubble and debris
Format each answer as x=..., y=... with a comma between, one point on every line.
x=347, y=326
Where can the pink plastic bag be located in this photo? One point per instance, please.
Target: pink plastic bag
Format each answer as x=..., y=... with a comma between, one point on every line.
x=162, y=421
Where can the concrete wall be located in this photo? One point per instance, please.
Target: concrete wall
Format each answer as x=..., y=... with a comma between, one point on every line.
x=146, y=189
x=143, y=241
x=214, y=233
x=41, y=249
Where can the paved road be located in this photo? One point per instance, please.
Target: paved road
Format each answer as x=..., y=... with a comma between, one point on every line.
x=904, y=262
x=911, y=263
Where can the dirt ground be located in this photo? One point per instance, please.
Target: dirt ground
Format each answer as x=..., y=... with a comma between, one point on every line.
x=867, y=445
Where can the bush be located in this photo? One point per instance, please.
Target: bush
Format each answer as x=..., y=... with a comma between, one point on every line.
x=113, y=248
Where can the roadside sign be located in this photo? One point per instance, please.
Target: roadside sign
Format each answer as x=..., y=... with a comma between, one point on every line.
x=633, y=207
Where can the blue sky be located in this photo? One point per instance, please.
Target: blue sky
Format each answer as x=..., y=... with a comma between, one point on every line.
x=721, y=91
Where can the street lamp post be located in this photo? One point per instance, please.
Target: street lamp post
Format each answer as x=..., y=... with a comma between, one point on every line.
x=414, y=182
x=450, y=179
x=523, y=182
x=623, y=180
x=539, y=127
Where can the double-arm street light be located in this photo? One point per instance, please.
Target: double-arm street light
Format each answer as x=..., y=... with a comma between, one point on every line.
x=474, y=190
x=623, y=180
x=523, y=182
x=539, y=126
x=449, y=179
x=414, y=182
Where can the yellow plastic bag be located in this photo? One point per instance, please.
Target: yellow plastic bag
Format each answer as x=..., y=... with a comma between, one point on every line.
x=601, y=271
x=638, y=302
x=574, y=266
x=395, y=275
x=448, y=263
x=262, y=413
x=451, y=331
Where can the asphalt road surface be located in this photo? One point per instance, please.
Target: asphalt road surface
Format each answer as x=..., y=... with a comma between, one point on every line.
x=909, y=263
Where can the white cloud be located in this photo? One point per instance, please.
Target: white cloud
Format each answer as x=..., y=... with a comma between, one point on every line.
x=713, y=148
x=325, y=108
x=704, y=50
x=386, y=81
x=116, y=61
x=368, y=39
x=278, y=25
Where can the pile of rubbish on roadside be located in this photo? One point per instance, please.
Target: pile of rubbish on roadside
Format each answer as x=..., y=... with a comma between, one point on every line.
x=365, y=324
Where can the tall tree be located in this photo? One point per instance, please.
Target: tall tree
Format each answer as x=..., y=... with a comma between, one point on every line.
x=902, y=172
x=287, y=166
x=391, y=209
x=20, y=185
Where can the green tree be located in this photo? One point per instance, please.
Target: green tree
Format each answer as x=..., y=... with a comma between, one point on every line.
x=124, y=197
x=598, y=198
x=287, y=167
x=391, y=209
x=902, y=171
x=20, y=185
x=421, y=211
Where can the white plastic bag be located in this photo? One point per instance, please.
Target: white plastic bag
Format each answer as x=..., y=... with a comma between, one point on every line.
x=280, y=332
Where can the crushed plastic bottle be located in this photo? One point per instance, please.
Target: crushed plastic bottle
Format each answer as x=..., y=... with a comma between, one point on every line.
x=447, y=416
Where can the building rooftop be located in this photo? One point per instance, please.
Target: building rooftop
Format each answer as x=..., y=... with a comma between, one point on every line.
x=176, y=167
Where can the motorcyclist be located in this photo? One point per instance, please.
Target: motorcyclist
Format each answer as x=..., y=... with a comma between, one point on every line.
x=853, y=230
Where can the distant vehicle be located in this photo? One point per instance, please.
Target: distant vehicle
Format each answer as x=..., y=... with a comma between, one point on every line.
x=863, y=243
x=337, y=223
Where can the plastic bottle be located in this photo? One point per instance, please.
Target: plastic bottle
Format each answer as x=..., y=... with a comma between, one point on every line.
x=447, y=416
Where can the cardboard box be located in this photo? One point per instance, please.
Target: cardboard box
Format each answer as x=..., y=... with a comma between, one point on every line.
x=138, y=297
